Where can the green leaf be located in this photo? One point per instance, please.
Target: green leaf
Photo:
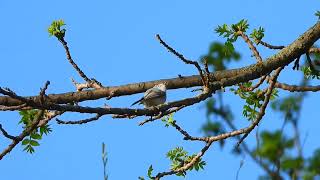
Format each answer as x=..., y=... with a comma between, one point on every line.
x=36, y=136
x=150, y=169
x=25, y=141
x=228, y=48
x=45, y=129
x=168, y=120
x=34, y=143
x=29, y=149
x=257, y=35
x=317, y=14
x=292, y=163
x=55, y=29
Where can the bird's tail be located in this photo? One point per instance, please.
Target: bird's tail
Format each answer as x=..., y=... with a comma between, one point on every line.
x=139, y=101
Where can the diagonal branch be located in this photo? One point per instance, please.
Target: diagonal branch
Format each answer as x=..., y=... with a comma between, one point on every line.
x=251, y=46
x=181, y=57
x=263, y=107
x=91, y=83
x=74, y=65
x=185, y=166
x=25, y=133
x=32, y=126
x=231, y=77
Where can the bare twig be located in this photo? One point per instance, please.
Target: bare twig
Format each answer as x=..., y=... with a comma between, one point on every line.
x=186, y=134
x=252, y=88
x=80, y=121
x=181, y=57
x=270, y=46
x=6, y=134
x=92, y=83
x=13, y=108
x=75, y=66
x=161, y=114
x=251, y=46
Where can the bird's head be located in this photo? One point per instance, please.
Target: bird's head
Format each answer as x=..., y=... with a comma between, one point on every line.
x=161, y=86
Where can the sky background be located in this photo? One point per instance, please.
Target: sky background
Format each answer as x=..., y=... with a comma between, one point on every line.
x=114, y=42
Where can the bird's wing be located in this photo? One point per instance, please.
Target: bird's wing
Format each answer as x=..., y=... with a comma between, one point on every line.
x=139, y=101
x=153, y=93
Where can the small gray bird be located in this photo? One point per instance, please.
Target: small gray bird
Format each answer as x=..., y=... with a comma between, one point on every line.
x=153, y=96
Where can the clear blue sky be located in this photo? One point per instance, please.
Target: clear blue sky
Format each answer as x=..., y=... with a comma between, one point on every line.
x=114, y=42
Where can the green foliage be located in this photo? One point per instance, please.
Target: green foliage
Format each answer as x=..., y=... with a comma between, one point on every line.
x=27, y=117
x=310, y=73
x=292, y=165
x=150, y=169
x=212, y=129
x=149, y=174
x=317, y=14
x=314, y=163
x=273, y=145
x=289, y=106
x=168, y=120
x=55, y=29
x=219, y=55
x=242, y=25
x=179, y=157
x=231, y=33
x=257, y=35
x=253, y=99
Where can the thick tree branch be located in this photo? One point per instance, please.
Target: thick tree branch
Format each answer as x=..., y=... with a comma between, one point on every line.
x=229, y=77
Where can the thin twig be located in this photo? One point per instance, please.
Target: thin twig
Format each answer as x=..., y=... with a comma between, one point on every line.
x=161, y=114
x=270, y=46
x=186, y=134
x=6, y=134
x=251, y=46
x=181, y=57
x=13, y=108
x=75, y=66
x=83, y=121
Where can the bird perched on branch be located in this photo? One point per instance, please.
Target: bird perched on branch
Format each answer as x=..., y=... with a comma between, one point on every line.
x=153, y=96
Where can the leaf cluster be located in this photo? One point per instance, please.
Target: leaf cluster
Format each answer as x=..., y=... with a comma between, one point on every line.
x=310, y=73
x=217, y=56
x=27, y=117
x=257, y=35
x=231, y=32
x=168, y=120
x=253, y=99
x=55, y=29
x=179, y=157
